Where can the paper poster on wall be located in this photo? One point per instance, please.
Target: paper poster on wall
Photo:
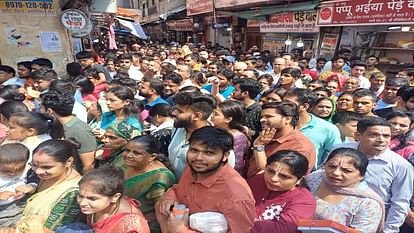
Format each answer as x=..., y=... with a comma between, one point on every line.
x=76, y=45
x=328, y=46
x=348, y=37
x=15, y=37
x=12, y=35
x=50, y=42
x=273, y=41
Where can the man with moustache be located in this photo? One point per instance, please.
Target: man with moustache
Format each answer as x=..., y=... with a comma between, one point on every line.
x=151, y=89
x=388, y=173
x=210, y=184
x=191, y=112
x=279, y=132
x=246, y=91
x=405, y=102
x=389, y=95
x=239, y=68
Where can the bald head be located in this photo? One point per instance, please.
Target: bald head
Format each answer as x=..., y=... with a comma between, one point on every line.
x=278, y=65
x=239, y=68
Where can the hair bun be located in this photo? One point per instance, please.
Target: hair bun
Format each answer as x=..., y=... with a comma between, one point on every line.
x=73, y=142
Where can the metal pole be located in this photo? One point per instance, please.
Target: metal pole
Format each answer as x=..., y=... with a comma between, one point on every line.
x=214, y=22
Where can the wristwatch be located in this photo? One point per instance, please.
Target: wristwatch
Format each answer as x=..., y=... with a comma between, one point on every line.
x=259, y=148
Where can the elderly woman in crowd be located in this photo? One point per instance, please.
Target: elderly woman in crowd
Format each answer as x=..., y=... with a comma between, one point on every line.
x=114, y=142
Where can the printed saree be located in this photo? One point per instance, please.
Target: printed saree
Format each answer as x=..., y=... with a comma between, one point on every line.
x=111, y=158
x=51, y=208
x=148, y=188
x=361, y=191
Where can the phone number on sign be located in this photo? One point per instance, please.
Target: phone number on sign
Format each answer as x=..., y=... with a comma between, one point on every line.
x=28, y=5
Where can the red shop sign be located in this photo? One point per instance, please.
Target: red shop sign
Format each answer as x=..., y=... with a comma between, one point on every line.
x=366, y=12
x=196, y=7
x=182, y=25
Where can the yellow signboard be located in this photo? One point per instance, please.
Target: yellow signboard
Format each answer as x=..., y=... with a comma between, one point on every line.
x=34, y=7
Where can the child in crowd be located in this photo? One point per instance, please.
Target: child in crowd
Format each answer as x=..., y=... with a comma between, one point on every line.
x=14, y=182
x=87, y=61
x=99, y=87
x=33, y=128
x=7, y=109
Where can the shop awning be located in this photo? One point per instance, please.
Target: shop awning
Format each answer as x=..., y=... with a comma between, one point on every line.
x=172, y=12
x=133, y=28
x=262, y=13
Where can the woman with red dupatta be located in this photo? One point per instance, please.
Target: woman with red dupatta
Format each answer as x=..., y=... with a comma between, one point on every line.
x=101, y=199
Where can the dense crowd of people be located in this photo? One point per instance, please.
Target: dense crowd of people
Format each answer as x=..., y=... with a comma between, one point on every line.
x=200, y=139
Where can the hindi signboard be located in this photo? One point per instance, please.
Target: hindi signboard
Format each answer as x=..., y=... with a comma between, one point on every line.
x=251, y=23
x=303, y=21
x=366, y=12
x=328, y=45
x=32, y=8
x=76, y=22
x=233, y=3
x=196, y=7
x=182, y=25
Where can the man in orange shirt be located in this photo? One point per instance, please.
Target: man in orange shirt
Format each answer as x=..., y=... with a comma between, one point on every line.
x=279, y=132
x=208, y=184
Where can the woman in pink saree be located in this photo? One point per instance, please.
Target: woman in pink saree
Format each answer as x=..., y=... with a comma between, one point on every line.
x=101, y=199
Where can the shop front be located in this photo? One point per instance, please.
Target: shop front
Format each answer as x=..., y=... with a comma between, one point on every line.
x=299, y=29
x=252, y=35
x=156, y=31
x=180, y=30
x=219, y=30
x=202, y=12
x=373, y=27
x=284, y=32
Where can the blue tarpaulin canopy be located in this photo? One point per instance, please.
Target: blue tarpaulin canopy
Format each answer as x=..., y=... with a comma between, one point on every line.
x=132, y=27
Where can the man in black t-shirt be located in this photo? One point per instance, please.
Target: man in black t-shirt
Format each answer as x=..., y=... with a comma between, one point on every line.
x=405, y=102
x=86, y=60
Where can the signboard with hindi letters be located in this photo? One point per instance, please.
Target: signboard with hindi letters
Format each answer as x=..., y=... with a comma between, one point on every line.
x=328, y=45
x=251, y=23
x=303, y=21
x=76, y=22
x=196, y=7
x=366, y=12
x=180, y=25
x=232, y=3
x=33, y=8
